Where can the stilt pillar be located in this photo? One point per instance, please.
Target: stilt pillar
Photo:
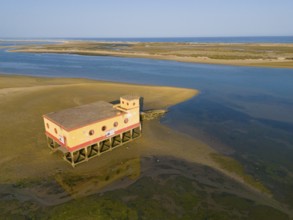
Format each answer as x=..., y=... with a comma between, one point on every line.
x=110, y=143
x=86, y=154
x=99, y=148
x=131, y=133
x=72, y=159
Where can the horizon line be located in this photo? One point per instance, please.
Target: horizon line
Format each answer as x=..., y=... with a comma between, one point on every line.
x=238, y=36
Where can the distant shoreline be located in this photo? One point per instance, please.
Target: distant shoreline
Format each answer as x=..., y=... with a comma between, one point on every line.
x=274, y=55
x=183, y=39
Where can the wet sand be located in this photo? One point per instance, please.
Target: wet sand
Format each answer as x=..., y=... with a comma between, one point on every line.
x=23, y=101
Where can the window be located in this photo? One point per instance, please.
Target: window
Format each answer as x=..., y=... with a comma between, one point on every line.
x=127, y=103
x=122, y=102
x=133, y=104
x=55, y=130
x=104, y=128
x=91, y=132
x=126, y=120
x=48, y=126
x=115, y=124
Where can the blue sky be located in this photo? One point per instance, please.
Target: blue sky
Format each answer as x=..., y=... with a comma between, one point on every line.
x=145, y=18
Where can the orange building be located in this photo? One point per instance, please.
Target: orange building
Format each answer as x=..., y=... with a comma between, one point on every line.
x=87, y=131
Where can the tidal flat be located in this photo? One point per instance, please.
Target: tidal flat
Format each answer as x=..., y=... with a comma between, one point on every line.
x=177, y=175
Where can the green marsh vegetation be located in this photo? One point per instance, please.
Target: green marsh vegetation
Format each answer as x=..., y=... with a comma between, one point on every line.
x=180, y=197
x=234, y=166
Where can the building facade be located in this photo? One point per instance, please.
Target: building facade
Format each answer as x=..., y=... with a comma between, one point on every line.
x=87, y=131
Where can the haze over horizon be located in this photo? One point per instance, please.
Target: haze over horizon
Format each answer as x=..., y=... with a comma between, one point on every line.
x=131, y=19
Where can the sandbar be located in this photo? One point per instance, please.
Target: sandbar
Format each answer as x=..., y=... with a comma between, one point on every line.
x=240, y=54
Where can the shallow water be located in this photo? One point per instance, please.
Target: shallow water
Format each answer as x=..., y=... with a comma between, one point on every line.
x=264, y=92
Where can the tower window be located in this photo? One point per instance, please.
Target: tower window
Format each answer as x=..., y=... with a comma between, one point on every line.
x=104, y=128
x=48, y=126
x=115, y=124
x=126, y=120
x=55, y=130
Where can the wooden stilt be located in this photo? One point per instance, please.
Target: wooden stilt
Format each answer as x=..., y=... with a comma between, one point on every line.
x=72, y=159
x=110, y=144
x=86, y=153
x=99, y=150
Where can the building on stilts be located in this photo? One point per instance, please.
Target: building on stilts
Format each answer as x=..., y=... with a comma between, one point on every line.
x=87, y=131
